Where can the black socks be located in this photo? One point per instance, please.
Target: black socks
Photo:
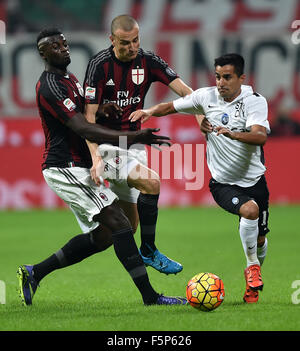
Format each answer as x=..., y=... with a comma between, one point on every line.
x=81, y=247
x=127, y=252
x=148, y=212
x=77, y=249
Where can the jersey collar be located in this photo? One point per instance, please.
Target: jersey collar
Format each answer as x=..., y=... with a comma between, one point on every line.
x=117, y=60
x=246, y=90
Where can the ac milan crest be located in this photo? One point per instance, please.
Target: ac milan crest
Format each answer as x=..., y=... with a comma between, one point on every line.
x=137, y=75
x=103, y=196
x=117, y=160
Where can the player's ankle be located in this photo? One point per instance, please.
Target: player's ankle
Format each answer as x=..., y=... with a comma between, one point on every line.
x=147, y=249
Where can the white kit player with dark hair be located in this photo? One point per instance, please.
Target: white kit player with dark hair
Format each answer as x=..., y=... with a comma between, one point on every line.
x=236, y=128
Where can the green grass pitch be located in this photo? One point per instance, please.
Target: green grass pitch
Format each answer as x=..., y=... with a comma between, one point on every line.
x=98, y=294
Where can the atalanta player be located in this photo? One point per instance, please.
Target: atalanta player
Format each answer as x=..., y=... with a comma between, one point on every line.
x=236, y=125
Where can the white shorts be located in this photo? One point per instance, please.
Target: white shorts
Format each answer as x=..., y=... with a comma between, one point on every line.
x=118, y=163
x=75, y=186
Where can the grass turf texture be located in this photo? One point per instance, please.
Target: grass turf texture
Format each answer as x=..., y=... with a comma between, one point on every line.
x=98, y=294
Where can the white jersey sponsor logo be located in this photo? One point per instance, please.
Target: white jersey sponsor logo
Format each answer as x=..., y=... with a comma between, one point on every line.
x=123, y=99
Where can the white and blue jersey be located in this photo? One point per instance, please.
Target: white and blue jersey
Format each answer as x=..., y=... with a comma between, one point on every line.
x=230, y=161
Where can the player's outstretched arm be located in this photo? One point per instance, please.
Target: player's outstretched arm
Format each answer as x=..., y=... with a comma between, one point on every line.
x=180, y=88
x=159, y=110
x=96, y=133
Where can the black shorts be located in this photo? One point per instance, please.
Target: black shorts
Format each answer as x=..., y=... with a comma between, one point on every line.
x=232, y=197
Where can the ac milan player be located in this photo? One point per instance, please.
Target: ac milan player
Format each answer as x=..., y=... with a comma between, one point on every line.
x=123, y=73
x=66, y=170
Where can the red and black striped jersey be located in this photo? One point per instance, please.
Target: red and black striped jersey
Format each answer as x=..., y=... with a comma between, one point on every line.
x=58, y=99
x=108, y=79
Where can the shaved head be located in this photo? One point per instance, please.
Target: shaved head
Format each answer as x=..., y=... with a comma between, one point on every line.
x=125, y=37
x=123, y=22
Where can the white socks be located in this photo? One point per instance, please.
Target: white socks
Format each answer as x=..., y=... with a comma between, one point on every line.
x=262, y=251
x=248, y=234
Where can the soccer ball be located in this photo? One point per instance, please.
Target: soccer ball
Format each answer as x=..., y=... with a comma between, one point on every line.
x=205, y=291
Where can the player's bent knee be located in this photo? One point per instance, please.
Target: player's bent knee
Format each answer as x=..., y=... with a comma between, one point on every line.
x=101, y=237
x=147, y=186
x=144, y=179
x=134, y=227
x=113, y=217
x=250, y=210
x=152, y=186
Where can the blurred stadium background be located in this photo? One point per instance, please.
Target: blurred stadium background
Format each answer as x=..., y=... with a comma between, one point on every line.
x=188, y=34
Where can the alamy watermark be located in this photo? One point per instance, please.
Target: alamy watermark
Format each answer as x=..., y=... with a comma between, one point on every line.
x=183, y=162
x=2, y=293
x=296, y=33
x=296, y=294
x=2, y=32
